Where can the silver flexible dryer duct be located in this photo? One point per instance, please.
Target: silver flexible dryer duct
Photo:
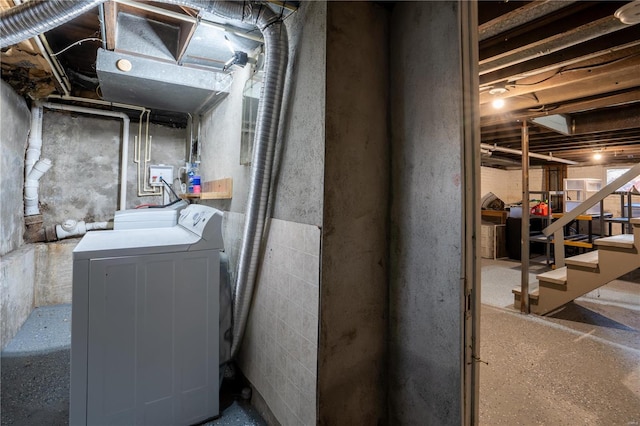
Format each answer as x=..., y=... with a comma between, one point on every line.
x=36, y=16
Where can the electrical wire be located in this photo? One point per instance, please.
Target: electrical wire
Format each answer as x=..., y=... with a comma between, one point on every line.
x=170, y=189
x=562, y=71
x=77, y=43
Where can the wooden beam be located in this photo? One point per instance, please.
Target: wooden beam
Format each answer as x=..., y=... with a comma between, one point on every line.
x=618, y=40
x=496, y=18
x=588, y=87
x=549, y=30
x=628, y=96
x=609, y=119
x=110, y=23
x=611, y=70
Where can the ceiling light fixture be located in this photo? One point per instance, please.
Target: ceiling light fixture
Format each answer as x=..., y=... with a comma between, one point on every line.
x=597, y=154
x=497, y=91
x=629, y=13
x=498, y=103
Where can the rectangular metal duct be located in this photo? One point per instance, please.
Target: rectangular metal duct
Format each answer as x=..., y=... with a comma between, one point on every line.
x=157, y=84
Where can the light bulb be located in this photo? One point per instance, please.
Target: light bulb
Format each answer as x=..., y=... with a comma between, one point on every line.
x=498, y=103
x=597, y=156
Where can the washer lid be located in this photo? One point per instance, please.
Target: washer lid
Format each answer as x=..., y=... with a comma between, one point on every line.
x=145, y=218
x=132, y=242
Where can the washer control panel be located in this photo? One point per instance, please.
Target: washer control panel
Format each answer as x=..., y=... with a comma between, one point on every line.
x=203, y=221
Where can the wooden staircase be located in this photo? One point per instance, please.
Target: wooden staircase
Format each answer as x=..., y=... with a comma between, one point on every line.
x=616, y=256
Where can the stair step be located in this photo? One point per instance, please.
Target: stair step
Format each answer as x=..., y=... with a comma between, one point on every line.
x=557, y=276
x=586, y=260
x=622, y=241
x=534, y=296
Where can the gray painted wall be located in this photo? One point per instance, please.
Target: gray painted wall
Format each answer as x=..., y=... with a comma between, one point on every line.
x=352, y=384
x=17, y=277
x=298, y=171
x=220, y=145
x=17, y=265
x=84, y=181
x=426, y=219
x=14, y=131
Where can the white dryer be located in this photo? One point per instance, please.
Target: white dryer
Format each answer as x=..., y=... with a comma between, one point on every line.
x=145, y=334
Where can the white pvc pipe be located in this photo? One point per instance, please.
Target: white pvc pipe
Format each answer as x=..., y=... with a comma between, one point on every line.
x=125, y=140
x=35, y=140
x=34, y=168
x=31, y=187
x=97, y=102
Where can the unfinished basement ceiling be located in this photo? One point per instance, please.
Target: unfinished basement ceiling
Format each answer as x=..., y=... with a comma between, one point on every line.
x=171, y=59
x=570, y=61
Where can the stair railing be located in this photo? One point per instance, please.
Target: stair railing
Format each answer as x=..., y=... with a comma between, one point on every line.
x=557, y=228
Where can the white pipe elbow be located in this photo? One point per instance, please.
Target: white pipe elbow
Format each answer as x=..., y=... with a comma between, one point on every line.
x=70, y=228
x=40, y=168
x=31, y=187
x=74, y=228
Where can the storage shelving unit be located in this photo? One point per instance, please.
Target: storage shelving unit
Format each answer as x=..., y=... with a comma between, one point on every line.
x=578, y=190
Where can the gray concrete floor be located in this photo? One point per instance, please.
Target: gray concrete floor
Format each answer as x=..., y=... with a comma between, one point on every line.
x=577, y=366
x=34, y=374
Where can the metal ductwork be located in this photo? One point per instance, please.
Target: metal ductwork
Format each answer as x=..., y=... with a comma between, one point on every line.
x=159, y=85
x=37, y=16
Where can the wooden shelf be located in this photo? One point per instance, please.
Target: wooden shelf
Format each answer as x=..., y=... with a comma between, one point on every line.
x=219, y=189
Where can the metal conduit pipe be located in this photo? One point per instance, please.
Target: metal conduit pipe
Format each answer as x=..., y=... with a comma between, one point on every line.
x=531, y=154
x=39, y=15
x=125, y=140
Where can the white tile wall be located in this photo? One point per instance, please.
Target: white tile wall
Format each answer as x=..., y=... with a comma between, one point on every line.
x=279, y=351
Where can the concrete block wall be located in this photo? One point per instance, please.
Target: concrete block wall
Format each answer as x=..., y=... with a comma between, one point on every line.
x=495, y=180
x=507, y=184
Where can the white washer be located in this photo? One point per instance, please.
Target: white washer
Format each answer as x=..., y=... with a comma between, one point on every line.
x=145, y=334
x=149, y=217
